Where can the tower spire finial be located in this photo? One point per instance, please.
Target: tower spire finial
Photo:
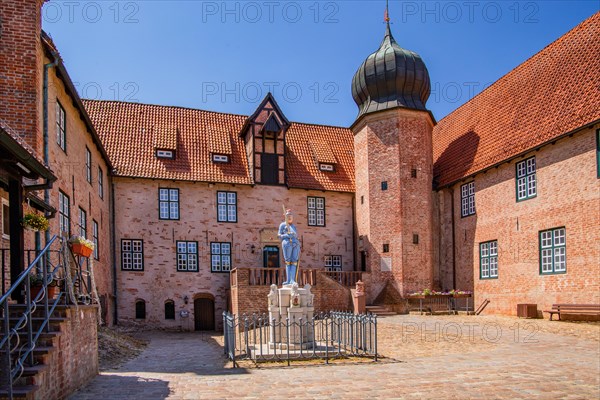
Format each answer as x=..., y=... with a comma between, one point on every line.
x=386, y=17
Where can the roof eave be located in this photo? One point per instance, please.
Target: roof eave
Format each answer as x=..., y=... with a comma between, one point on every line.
x=520, y=154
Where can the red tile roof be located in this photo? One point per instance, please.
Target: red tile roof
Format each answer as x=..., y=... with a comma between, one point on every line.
x=128, y=133
x=554, y=92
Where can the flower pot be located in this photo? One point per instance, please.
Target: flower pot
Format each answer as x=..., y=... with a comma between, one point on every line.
x=81, y=250
x=35, y=290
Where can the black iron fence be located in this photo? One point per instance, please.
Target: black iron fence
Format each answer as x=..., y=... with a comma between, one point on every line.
x=326, y=336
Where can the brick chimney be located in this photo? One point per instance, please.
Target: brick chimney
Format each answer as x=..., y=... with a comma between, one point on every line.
x=21, y=58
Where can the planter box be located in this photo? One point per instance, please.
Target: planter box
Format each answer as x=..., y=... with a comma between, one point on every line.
x=81, y=250
x=461, y=296
x=527, y=310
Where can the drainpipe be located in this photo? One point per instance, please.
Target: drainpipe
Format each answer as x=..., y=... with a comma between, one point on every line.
x=52, y=64
x=114, y=248
x=453, y=240
x=46, y=151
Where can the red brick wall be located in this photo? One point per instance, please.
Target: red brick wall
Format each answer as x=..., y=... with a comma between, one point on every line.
x=388, y=146
x=568, y=195
x=70, y=169
x=75, y=359
x=20, y=79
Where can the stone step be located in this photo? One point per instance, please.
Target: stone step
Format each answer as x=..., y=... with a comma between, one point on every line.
x=19, y=392
x=380, y=311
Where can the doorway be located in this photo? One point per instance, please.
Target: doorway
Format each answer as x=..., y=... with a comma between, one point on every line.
x=204, y=314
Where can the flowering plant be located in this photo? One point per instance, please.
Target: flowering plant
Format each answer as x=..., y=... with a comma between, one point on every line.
x=453, y=291
x=35, y=222
x=82, y=241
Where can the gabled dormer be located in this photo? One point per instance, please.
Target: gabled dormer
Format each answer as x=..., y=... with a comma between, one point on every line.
x=165, y=141
x=264, y=136
x=323, y=156
x=219, y=145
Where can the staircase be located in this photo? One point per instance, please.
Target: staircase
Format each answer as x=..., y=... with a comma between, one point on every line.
x=380, y=310
x=26, y=385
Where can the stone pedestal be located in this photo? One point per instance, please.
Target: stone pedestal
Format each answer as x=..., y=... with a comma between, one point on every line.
x=291, y=311
x=358, y=298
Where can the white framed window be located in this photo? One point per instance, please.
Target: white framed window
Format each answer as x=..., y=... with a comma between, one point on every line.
x=5, y=219
x=100, y=183
x=132, y=254
x=82, y=223
x=61, y=126
x=467, y=199
x=326, y=167
x=168, y=203
x=88, y=165
x=220, y=257
x=220, y=158
x=488, y=260
x=333, y=263
x=165, y=154
x=187, y=256
x=95, y=239
x=526, y=179
x=64, y=213
x=316, y=211
x=553, y=251
x=227, y=207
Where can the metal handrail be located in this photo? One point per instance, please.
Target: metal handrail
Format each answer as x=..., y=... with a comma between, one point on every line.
x=25, y=352
x=27, y=271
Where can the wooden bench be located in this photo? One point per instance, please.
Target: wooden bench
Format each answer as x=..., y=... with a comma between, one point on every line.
x=576, y=309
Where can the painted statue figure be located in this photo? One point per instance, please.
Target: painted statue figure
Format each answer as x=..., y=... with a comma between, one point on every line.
x=291, y=247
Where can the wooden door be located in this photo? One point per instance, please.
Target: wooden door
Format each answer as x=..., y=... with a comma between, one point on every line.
x=204, y=315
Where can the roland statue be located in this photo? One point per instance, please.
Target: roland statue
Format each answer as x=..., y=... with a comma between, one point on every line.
x=290, y=245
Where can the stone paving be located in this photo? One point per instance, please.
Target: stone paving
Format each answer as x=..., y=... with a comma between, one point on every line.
x=487, y=358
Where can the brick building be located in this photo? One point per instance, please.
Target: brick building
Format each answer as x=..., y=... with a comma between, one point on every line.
x=41, y=110
x=198, y=194
x=500, y=197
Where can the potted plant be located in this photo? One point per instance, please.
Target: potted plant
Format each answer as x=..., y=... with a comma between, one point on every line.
x=81, y=246
x=36, y=283
x=35, y=222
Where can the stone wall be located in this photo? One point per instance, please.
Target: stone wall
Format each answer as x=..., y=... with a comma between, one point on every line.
x=249, y=299
x=259, y=214
x=568, y=195
x=74, y=362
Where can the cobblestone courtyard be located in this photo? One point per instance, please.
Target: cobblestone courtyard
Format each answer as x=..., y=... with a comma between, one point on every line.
x=444, y=357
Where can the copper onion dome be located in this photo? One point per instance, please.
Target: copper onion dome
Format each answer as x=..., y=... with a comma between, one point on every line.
x=391, y=77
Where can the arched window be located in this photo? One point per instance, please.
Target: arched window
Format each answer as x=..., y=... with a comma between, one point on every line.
x=140, y=309
x=169, y=309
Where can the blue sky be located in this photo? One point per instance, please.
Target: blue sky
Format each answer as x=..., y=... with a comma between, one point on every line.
x=226, y=55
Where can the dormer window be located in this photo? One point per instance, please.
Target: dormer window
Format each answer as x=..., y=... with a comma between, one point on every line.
x=326, y=167
x=170, y=154
x=220, y=158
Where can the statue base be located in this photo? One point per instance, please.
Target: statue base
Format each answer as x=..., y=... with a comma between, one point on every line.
x=291, y=312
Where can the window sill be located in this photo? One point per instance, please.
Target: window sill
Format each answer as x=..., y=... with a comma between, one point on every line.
x=526, y=198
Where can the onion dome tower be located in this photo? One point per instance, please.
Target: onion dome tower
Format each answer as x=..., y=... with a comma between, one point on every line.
x=393, y=171
x=391, y=77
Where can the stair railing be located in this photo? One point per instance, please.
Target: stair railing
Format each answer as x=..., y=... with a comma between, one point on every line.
x=14, y=355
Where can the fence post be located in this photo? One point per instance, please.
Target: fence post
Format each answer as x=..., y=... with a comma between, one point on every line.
x=375, y=324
